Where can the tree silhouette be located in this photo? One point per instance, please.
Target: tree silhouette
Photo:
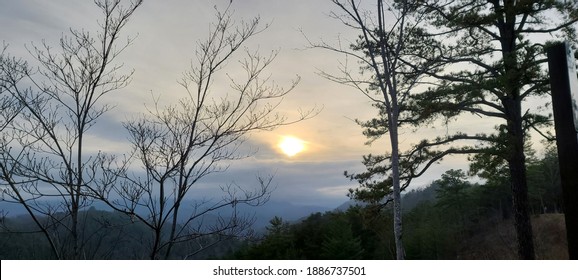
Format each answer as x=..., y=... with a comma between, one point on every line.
x=43, y=159
x=198, y=136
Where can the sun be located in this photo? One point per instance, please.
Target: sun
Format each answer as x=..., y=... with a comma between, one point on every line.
x=291, y=145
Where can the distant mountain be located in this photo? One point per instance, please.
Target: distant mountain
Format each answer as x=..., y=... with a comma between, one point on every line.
x=286, y=210
x=262, y=214
x=414, y=197
x=11, y=209
x=409, y=199
x=348, y=204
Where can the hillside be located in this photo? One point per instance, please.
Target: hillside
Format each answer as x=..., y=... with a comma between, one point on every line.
x=497, y=241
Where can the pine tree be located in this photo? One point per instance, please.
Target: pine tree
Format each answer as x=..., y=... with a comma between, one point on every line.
x=494, y=60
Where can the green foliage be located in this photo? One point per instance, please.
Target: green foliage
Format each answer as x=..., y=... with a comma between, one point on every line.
x=453, y=196
x=427, y=235
x=339, y=242
x=332, y=235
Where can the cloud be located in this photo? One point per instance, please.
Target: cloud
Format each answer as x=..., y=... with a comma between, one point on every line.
x=308, y=183
x=165, y=35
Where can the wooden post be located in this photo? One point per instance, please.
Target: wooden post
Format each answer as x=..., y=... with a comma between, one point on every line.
x=564, y=84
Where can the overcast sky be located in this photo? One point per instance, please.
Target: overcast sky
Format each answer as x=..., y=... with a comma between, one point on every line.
x=166, y=32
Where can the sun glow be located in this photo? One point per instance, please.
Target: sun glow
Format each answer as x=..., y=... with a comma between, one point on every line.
x=291, y=145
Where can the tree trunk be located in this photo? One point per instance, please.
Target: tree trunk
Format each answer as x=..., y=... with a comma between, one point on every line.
x=75, y=254
x=173, y=229
x=155, y=251
x=397, y=213
x=512, y=103
x=517, y=166
x=522, y=220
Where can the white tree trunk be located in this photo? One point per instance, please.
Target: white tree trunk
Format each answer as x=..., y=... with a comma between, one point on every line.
x=397, y=213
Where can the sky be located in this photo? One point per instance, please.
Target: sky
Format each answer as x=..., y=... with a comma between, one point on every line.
x=165, y=33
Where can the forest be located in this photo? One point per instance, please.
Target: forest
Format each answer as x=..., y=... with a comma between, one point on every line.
x=445, y=78
x=451, y=208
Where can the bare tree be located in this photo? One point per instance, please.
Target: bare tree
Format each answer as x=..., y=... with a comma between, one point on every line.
x=383, y=51
x=43, y=160
x=180, y=144
x=9, y=107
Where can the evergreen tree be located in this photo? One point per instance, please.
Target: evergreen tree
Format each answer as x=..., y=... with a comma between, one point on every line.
x=340, y=243
x=494, y=66
x=389, y=39
x=453, y=196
